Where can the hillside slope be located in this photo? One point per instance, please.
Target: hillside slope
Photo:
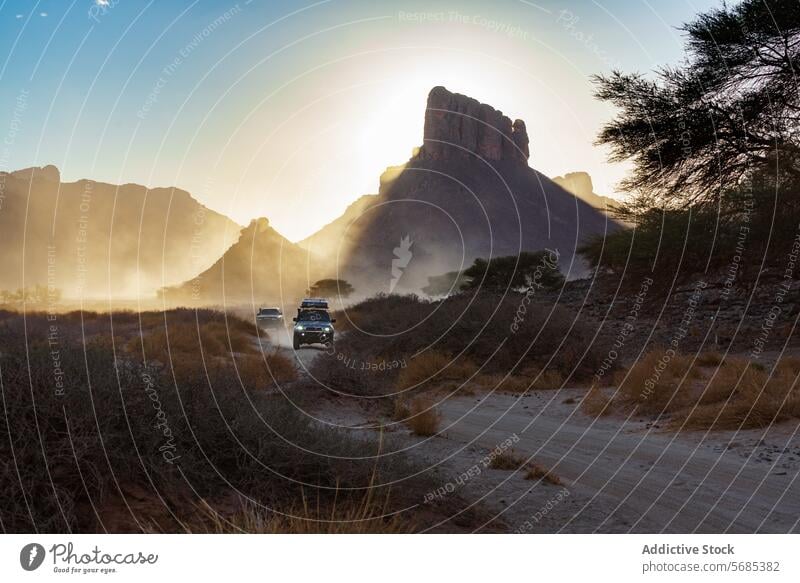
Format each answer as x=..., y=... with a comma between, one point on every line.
x=97, y=240
x=260, y=267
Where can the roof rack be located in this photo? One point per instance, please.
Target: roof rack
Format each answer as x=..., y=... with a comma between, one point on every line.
x=319, y=303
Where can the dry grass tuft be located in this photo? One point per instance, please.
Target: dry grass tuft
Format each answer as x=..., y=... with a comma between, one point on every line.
x=549, y=380
x=528, y=380
x=507, y=460
x=658, y=383
x=423, y=418
x=366, y=516
x=256, y=371
x=401, y=410
x=751, y=399
x=181, y=340
x=434, y=367
x=596, y=403
x=789, y=364
x=709, y=359
x=724, y=380
x=539, y=472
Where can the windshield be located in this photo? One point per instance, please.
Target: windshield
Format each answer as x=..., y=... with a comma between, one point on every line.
x=313, y=316
x=269, y=312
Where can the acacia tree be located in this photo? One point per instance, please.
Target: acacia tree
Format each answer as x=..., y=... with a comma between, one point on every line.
x=440, y=285
x=537, y=269
x=331, y=287
x=730, y=109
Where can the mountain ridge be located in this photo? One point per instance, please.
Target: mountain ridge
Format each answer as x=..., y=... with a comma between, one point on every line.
x=92, y=239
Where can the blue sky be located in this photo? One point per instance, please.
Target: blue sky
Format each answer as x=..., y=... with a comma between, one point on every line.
x=264, y=108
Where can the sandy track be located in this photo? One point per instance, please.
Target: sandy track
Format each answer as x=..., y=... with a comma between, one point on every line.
x=624, y=476
x=303, y=357
x=650, y=480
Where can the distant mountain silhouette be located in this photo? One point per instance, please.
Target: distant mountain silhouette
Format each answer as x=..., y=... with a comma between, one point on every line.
x=93, y=239
x=327, y=239
x=262, y=266
x=580, y=184
x=468, y=192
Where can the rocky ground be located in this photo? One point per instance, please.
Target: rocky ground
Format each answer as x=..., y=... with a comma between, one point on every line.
x=703, y=314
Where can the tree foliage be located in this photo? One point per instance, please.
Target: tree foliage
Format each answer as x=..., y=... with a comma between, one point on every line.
x=699, y=129
x=37, y=295
x=715, y=148
x=444, y=284
x=330, y=287
x=539, y=269
x=739, y=235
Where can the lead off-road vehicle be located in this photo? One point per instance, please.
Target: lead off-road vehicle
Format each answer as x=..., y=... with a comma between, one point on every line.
x=313, y=326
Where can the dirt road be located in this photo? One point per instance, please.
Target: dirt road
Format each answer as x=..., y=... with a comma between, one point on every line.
x=640, y=476
x=303, y=357
x=622, y=475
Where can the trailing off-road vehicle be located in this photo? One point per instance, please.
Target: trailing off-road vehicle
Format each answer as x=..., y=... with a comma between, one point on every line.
x=313, y=326
x=269, y=317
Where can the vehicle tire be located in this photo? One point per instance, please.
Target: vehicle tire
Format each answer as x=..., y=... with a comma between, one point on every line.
x=296, y=343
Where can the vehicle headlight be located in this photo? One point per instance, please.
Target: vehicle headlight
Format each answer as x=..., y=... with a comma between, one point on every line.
x=327, y=328
x=298, y=327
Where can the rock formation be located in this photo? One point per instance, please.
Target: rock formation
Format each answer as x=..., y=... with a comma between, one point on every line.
x=262, y=266
x=49, y=173
x=453, y=208
x=457, y=126
x=580, y=184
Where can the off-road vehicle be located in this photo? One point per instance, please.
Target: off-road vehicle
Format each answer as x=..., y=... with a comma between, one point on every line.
x=269, y=317
x=312, y=326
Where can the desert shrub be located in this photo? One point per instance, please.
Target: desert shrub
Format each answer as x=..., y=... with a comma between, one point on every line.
x=596, y=403
x=495, y=333
x=401, y=409
x=423, y=419
x=431, y=367
x=690, y=232
x=657, y=383
x=724, y=381
x=116, y=420
x=755, y=399
x=349, y=374
x=261, y=371
x=185, y=339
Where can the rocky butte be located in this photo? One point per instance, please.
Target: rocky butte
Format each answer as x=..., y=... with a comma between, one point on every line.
x=467, y=192
x=457, y=126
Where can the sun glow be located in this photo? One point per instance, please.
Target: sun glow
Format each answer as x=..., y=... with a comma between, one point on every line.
x=355, y=117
